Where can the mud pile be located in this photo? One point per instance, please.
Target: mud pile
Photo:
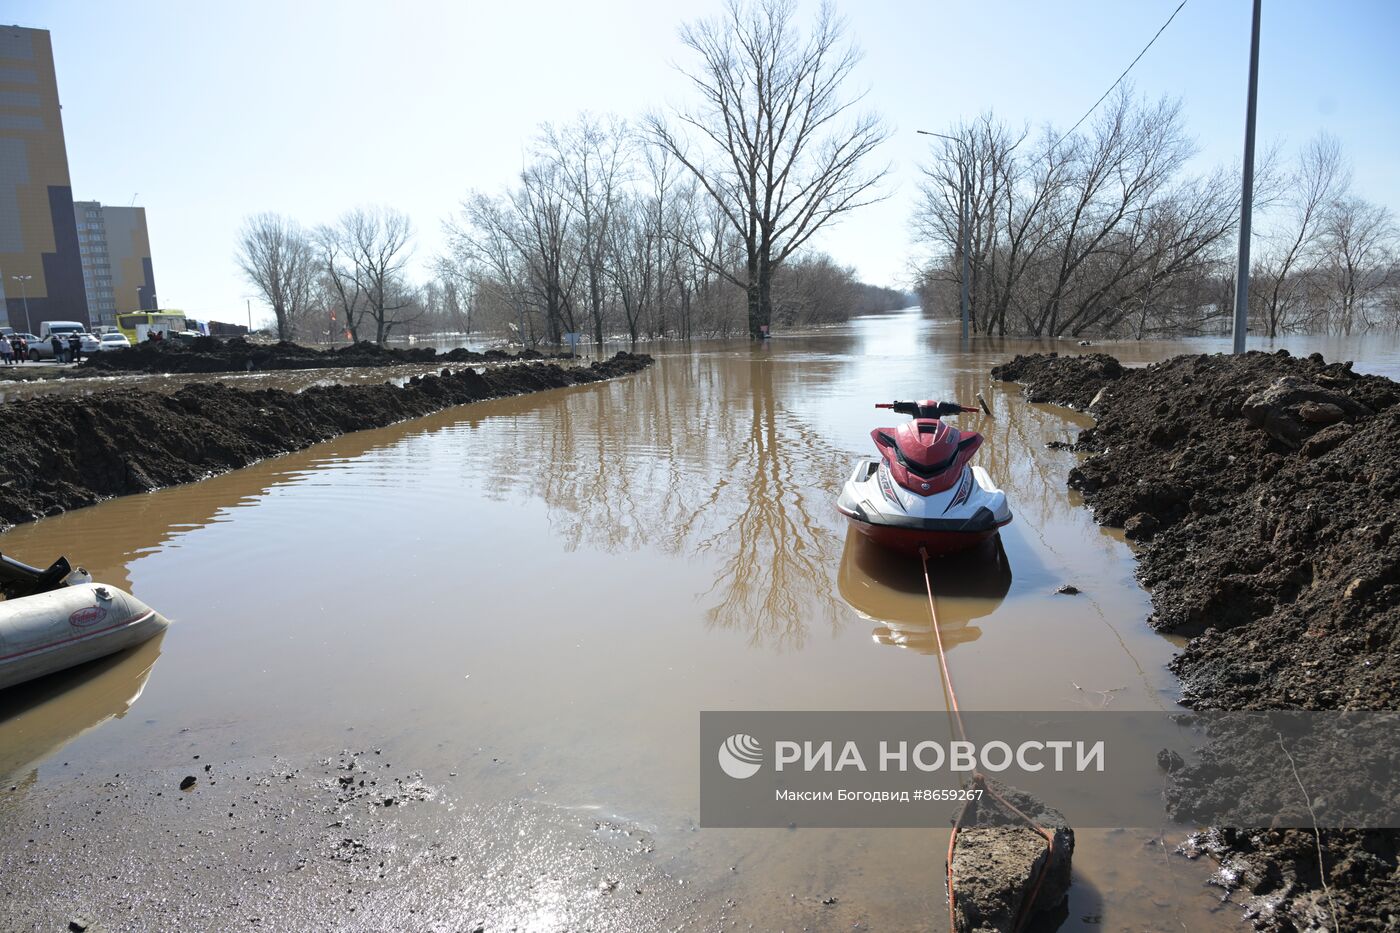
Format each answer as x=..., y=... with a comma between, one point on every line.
x=1269, y=489
x=211, y=355
x=1048, y=377
x=63, y=452
x=1265, y=492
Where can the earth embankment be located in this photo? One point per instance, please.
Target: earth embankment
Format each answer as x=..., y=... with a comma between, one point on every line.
x=212, y=355
x=1263, y=492
x=63, y=452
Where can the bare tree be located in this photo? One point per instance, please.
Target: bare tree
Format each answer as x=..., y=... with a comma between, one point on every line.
x=485, y=241
x=278, y=260
x=1359, y=240
x=632, y=261
x=592, y=159
x=1094, y=232
x=377, y=243
x=342, y=285
x=545, y=239
x=776, y=144
x=1289, y=260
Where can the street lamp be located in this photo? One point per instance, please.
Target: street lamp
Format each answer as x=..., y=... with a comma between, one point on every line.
x=964, y=227
x=24, y=294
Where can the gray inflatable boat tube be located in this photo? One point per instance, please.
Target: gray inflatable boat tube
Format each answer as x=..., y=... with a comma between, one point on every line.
x=66, y=627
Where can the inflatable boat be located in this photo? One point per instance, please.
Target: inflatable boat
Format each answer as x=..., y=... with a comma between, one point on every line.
x=57, y=618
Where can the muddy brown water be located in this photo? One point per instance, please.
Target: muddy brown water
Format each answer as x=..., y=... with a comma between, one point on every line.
x=559, y=583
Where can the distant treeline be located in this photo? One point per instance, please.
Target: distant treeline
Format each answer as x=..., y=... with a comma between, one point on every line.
x=1105, y=231
x=694, y=223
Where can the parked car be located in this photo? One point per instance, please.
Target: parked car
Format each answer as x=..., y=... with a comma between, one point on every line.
x=114, y=340
x=41, y=348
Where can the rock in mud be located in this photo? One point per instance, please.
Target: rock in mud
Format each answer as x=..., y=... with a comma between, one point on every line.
x=1067, y=589
x=998, y=858
x=1292, y=409
x=1140, y=527
x=189, y=781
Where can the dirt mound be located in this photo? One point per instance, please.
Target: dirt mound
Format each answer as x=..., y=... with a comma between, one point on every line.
x=211, y=355
x=1071, y=381
x=62, y=452
x=1269, y=489
x=1265, y=490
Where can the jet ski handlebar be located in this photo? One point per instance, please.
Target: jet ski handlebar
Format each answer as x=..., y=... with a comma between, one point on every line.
x=928, y=409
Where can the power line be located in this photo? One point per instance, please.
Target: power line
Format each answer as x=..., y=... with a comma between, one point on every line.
x=1122, y=76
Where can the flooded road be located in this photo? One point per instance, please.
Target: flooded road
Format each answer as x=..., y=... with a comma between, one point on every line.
x=530, y=600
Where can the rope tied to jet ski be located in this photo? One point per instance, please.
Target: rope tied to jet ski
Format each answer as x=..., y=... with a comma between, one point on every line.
x=978, y=778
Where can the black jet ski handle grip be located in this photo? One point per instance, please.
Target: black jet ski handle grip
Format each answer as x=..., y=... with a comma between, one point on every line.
x=912, y=408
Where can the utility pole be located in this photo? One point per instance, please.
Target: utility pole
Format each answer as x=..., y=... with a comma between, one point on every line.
x=964, y=228
x=250, y=316
x=1247, y=191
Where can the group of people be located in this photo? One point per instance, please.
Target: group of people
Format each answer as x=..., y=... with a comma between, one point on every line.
x=15, y=349
x=67, y=351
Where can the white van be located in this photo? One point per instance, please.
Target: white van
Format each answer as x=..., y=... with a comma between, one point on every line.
x=62, y=328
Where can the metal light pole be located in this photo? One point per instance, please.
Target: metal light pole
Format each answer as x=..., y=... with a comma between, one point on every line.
x=24, y=295
x=1247, y=191
x=964, y=231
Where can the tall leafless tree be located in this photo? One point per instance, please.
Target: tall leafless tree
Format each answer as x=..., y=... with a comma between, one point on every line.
x=1076, y=234
x=377, y=242
x=485, y=241
x=592, y=157
x=342, y=286
x=1290, y=256
x=277, y=259
x=774, y=139
x=1359, y=240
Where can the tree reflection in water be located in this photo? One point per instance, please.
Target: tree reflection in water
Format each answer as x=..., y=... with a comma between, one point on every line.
x=705, y=457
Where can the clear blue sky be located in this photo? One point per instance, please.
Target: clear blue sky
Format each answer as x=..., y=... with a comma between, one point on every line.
x=206, y=113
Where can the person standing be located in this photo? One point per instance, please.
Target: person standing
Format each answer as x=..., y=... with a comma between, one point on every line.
x=6, y=350
x=20, y=346
x=56, y=342
x=75, y=348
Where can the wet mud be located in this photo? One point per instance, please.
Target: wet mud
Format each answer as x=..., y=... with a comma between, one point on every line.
x=1264, y=492
x=296, y=842
x=62, y=453
x=212, y=355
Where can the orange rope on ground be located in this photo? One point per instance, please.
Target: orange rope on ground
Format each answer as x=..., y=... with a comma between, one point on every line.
x=978, y=779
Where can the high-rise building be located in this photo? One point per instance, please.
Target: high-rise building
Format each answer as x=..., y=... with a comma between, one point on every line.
x=116, y=253
x=39, y=260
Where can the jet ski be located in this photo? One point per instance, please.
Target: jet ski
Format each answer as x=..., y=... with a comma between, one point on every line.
x=922, y=493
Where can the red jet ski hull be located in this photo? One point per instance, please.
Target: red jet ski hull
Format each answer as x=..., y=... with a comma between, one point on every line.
x=910, y=540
